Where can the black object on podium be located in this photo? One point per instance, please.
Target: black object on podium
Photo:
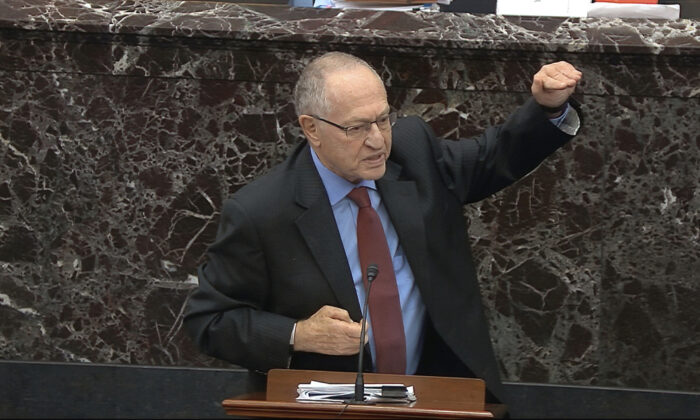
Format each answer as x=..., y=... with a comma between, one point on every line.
x=470, y=6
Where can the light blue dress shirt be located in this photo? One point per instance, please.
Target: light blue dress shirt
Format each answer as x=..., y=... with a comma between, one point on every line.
x=345, y=212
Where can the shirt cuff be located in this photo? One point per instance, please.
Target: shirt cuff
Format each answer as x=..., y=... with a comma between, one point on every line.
x=568, y=122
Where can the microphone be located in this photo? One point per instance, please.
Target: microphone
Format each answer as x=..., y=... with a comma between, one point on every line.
x=372, y=271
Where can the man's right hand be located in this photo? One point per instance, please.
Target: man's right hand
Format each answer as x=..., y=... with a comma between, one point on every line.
x=329, y=331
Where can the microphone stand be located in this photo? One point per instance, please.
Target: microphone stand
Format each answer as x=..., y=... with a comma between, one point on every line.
x=359, y=398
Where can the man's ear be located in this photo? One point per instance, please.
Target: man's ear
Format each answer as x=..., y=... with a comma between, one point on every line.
x=310, y=127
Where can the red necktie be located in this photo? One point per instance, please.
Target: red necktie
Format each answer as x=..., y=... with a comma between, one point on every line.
x=384, y=303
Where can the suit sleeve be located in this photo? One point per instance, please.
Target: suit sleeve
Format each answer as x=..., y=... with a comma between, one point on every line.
x=476, y=168
x=224, y=313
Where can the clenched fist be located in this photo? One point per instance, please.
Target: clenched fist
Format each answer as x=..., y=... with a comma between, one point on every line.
x=554, y=83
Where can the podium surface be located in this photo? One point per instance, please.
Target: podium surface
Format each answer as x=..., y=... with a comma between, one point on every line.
x=436, y=397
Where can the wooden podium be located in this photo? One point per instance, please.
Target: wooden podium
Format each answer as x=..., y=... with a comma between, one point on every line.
x=436, y=397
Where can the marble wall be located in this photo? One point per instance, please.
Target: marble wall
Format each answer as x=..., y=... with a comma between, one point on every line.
x=124, y=124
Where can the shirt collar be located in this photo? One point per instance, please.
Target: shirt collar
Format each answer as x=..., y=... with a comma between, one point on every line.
x=336, y=186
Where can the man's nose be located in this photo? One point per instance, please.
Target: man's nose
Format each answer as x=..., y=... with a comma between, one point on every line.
x=375, y=137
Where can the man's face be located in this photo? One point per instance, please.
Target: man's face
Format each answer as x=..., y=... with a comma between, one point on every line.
x=355, y=96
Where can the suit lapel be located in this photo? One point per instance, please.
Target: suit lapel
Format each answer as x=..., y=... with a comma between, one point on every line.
x=403, y=205
x=318, y=228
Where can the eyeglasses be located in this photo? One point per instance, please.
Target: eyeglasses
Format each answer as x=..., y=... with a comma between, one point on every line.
x=360, y=131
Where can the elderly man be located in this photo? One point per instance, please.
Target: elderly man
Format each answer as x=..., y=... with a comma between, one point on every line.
x=284, y=281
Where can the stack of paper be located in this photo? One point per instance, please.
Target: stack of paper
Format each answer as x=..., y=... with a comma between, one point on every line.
x=338, y=393
x=631, y=10
x=584, y=8
x=576, y=8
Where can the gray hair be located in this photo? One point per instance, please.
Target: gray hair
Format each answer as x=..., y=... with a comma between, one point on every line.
x=309, y=93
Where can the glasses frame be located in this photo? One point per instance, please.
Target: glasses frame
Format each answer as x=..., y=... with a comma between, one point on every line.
x=392, y=120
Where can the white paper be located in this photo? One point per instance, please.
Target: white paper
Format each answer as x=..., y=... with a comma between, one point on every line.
x=564, y=8
x=648, y=11
x=338, y=393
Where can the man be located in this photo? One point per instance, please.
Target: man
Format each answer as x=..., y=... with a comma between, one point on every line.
x=285, y=279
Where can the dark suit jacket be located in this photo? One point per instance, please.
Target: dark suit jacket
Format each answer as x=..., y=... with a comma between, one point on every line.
x=278, y=256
